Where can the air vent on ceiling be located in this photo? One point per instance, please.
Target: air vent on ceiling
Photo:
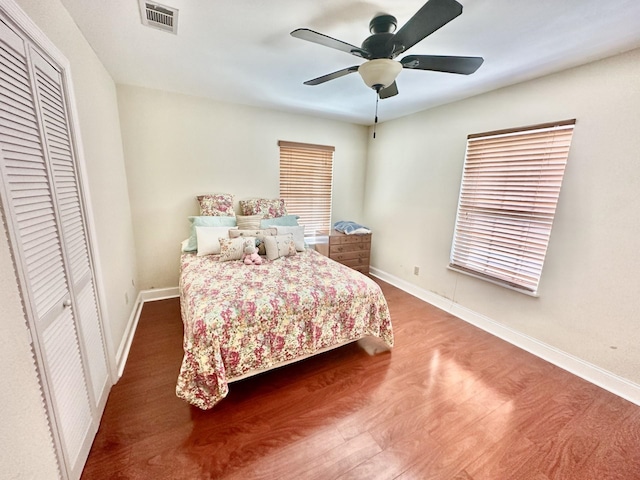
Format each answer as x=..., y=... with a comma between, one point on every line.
x=159, y=16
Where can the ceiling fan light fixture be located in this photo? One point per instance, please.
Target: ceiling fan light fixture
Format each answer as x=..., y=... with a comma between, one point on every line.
x=380, y=72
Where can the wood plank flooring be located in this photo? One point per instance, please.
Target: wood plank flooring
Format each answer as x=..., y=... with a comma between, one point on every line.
x=449, y=402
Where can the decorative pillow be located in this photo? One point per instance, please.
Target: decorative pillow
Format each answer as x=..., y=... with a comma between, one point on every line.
x=233, y=248
x=258, y=234
x=209, y=239
x=284, y=221
x=217, y=204
x=192, y=244
x=268, y=208
x=297, y=234
x=249, y=222
x=279, y=246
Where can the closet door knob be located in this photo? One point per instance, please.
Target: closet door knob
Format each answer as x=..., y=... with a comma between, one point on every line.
x=66, y=303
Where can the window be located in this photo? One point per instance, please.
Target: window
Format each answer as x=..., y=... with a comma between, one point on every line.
x=306, y=177
x=510, y=188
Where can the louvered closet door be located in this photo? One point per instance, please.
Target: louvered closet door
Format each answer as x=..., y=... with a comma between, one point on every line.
x=58, y=144
x=37, y=225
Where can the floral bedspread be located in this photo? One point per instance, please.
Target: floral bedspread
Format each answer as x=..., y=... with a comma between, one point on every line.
x=238, y=318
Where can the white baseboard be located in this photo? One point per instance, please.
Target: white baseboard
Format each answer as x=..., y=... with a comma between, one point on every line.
x=143, y=296
x=159, y=294
x=585, y=370
x=127, y=338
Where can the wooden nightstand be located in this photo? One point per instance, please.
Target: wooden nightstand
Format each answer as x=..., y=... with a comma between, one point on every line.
x=351, y=250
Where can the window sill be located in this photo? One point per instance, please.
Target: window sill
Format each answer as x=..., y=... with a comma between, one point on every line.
x=494, y=281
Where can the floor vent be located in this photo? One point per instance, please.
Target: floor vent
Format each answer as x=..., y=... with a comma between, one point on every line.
x=159, y=16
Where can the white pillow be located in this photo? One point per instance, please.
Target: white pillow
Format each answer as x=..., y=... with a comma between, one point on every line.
x=208, y=239
x=279, y=246
x=298, y=235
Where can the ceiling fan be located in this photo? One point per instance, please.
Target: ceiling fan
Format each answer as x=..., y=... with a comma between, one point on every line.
x=380, y=70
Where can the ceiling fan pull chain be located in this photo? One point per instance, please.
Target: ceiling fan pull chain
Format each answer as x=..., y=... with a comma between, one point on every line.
x=375, y=122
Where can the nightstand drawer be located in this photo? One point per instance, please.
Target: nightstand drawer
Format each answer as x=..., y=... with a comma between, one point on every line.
x=342, y=239
x=349, y=247
x=342, y=257
x=361, y=268
x=357, y=263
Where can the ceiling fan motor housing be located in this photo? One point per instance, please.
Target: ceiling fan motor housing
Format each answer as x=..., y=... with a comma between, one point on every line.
x=383, y=24
x=378, y=45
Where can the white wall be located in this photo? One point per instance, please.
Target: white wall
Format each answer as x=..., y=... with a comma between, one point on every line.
x=178, y=146
x=25, y=443
x=589, y=298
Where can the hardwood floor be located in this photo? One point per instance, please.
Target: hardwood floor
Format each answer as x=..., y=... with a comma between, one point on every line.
x=449, y=402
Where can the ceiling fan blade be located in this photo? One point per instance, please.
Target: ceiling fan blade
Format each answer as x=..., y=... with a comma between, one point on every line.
x=332, y=76
x=433, y=15
x=390, y=91
x=443, y=63
x=322, y=39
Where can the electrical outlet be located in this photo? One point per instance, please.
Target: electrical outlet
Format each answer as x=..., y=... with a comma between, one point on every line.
x=416, y=270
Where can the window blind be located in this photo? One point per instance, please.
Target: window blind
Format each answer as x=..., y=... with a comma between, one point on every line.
x=508, y=197
x=306, y=178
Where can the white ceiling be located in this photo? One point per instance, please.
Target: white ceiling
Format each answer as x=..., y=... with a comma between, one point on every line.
x=240, y=51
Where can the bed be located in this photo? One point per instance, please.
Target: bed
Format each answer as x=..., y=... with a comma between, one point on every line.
x=245, y=319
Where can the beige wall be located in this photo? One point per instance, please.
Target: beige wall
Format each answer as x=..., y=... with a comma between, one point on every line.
x=24, y=439
x=178, y=146
x=589, y=298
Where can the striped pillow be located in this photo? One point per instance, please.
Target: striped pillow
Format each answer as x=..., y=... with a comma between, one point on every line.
x=248, y=222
